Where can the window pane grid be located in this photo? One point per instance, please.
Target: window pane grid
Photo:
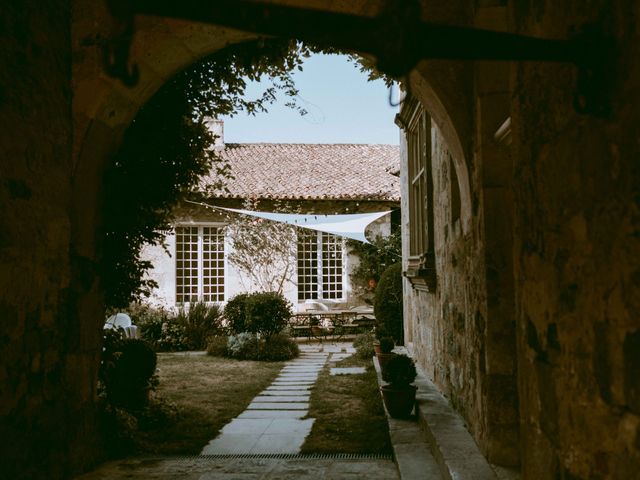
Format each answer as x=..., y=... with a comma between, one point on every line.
x=307, y=265
x=319, y=266
x=199, y=264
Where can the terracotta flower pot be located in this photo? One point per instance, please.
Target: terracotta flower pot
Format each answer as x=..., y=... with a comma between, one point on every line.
x=376, y=348
x=399, y=400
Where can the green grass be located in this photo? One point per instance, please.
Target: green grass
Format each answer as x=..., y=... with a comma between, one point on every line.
x=348, y=412
x=209, y=392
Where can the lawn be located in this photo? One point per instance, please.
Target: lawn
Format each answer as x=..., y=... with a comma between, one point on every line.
x=209, y=392
x=349, y=414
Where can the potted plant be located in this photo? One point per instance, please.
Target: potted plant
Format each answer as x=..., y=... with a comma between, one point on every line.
x=376, y=347
x=399, y=395
x=386, y=347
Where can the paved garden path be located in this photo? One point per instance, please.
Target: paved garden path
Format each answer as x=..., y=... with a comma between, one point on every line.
x=275, y=420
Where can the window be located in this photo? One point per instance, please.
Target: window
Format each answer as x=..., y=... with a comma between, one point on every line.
x=319, y=266
x=199, y=264
x=416, y=124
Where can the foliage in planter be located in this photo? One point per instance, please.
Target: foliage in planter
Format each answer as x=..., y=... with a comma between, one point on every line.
x=165, y=151
x=400, y=371
x=388, y=305
x=127, y=373
x=373, y=260
x=363, y=344
x=234, y=312
x=386, y=344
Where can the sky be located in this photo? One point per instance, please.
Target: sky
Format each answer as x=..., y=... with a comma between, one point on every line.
x=343, y=108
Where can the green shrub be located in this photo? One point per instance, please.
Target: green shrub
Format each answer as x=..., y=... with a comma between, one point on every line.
x=278, y=347
x=386, y=344
x=399, y=370
x=267, y=313
x=128, y=373
x=388, y=304
x=200, y=321
x=159, y=328
x=157, y=413
x=244, y=346
x=363, y=344
x=217, y=346
x=234, y=312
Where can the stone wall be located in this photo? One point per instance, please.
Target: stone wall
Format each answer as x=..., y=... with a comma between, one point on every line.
x=47, y=363
x=446, y=328
x=577, y=244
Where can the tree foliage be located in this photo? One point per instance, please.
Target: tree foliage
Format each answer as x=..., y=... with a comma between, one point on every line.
x=264, y=251
x=373, y=259
x=167, y=148
x=388, y=305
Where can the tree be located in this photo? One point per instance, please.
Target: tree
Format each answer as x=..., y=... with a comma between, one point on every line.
x=264, y=251
x=166, y=149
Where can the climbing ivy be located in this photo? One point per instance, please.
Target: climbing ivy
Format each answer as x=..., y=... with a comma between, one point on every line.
x=165, y=150
x=374, y=258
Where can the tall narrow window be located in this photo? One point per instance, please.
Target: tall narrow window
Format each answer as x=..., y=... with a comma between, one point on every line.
x=199, y=264
x=416, y=123
x=320, y=268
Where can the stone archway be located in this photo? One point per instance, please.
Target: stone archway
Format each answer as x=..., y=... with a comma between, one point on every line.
x=103, y=108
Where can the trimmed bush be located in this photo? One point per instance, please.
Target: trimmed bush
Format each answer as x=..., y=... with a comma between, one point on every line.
x=363, y=344
x=234, y=312
x=399, y=371
x=267, y=313
x=388, y=305
x=278, y=347
x=128, y=373
x=244, y=346
x=217, y=346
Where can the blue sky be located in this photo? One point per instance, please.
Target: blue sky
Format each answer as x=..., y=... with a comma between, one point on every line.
x=343, y=108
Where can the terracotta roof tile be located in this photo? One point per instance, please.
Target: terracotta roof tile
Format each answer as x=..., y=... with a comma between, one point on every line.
x=310, y=171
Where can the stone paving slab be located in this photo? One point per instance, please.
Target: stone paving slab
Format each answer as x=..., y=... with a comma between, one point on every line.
x=279, y=426
x=284, y=393
x=278, y=406
x=293, y=382
x=289, y=388
x=348, y=371
x=281, y=398
x=338, y=357
x=273, y=414
x=279, y=443
x=247, y=425
x=231, y=443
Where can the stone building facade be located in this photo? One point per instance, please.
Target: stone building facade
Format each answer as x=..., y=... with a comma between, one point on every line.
x=540, y=283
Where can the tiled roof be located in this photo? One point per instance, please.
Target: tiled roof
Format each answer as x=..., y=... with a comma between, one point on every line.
x=310, y=171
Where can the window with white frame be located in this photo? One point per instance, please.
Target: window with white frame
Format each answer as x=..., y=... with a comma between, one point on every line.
x=320, y=267
x=199, y=264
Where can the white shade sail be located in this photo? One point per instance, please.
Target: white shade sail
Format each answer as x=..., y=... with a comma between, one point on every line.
x=349, y=225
